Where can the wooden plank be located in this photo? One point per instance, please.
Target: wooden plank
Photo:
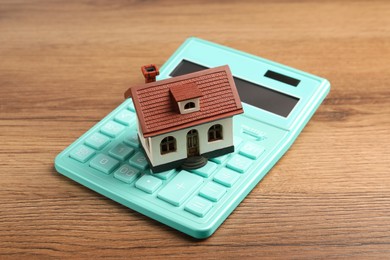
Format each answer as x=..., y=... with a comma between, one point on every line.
x=65, y=65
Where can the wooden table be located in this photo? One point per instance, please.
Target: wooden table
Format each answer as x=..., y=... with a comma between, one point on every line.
x=63, y=67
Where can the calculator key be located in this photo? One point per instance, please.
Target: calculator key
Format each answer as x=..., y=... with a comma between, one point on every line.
x=125, y=117
x=163, y=175
x=132, y=139
x=237, y=141
x=104, y=163
x=198, y=206
x=226, y=177
x=126, y=173
x=254, y=133
x=139, y=160
x=121, y=151
x=251, y=150
x=180, y=188
x=220, y=159
x=112, y=129
x=131, y=107
x=212, y=191
x=82, y=153
x=239, y=163
x=206, y=170
x=148, y=183
x=97, y=141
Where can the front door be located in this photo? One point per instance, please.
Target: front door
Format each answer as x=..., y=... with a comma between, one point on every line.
x=192, y=143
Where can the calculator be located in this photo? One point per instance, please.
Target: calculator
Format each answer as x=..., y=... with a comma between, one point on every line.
x=278, y=101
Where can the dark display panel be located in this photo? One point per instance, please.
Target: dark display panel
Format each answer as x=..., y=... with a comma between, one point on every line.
x=250, y=93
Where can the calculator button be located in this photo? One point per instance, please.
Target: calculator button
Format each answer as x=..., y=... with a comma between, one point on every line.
x=148, y=183
x=239, y=163
x=112, y=129
x=206, y=170
x=251, y=150
x=132, y=139
x=126, y=173
x=226, y=177
x=237, y=141
x=220, y=159
x=97, y=141
x=131, y=107
x=180, y=188
x=104, y=163
x=139, y=160
x=198, y=206
x=82, y=153
x=125, y=117
x=163, y=175
x=212, y=191
x=121, y=151
x=254, y=133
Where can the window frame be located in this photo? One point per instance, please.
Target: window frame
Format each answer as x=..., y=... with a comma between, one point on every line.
x=168, y=145
x=191, y=105
x=215, y=133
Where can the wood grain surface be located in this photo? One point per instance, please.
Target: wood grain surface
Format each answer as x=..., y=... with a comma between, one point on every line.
x=65, y=65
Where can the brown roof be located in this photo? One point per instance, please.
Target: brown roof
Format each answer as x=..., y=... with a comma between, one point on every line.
x=156, y=109
x=184, y=92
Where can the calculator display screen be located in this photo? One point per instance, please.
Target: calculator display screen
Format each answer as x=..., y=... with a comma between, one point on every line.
x=250, y=93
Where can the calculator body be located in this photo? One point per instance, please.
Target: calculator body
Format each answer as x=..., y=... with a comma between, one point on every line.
x=278, y=102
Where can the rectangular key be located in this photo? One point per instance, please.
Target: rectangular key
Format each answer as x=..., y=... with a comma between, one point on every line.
x=251, y=150
x=131, y=107
x=254, y=133
x=206, y=170
x=126, y=173
x=220, y=159
x=198, y=206
x=226, y=177
x=132, y=139
x=212, y=191
x=180, y=188
x=112, y=129
x=104, y=163
x=82, y=153
x=125, y=117
x=163, y=175
x=121, y=151
x=239, y=163
x=148, y=183
x=139, y=160
x=97, y=141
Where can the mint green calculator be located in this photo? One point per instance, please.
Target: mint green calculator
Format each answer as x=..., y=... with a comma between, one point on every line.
x=278, y=101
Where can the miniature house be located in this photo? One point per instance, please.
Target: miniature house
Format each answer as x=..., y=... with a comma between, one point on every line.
x=185, y=119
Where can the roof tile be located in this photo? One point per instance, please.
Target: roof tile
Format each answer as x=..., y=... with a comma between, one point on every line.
x=156, y=109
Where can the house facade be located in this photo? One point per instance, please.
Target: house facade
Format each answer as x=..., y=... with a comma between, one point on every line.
x=186, y=117
x=175, y=147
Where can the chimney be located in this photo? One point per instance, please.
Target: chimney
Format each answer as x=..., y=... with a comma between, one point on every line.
x=150, y=72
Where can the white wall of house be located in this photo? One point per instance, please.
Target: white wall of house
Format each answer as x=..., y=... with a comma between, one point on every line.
x=153, y=150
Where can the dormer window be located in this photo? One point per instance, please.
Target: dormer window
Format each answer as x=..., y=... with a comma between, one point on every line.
x=189, y=105
x=186, y=97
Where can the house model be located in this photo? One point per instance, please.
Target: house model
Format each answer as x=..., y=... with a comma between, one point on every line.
x=184, y=120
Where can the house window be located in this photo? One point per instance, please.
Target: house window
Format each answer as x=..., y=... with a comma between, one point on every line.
x=215, y=133
x=168, y=145
x=189, y=105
